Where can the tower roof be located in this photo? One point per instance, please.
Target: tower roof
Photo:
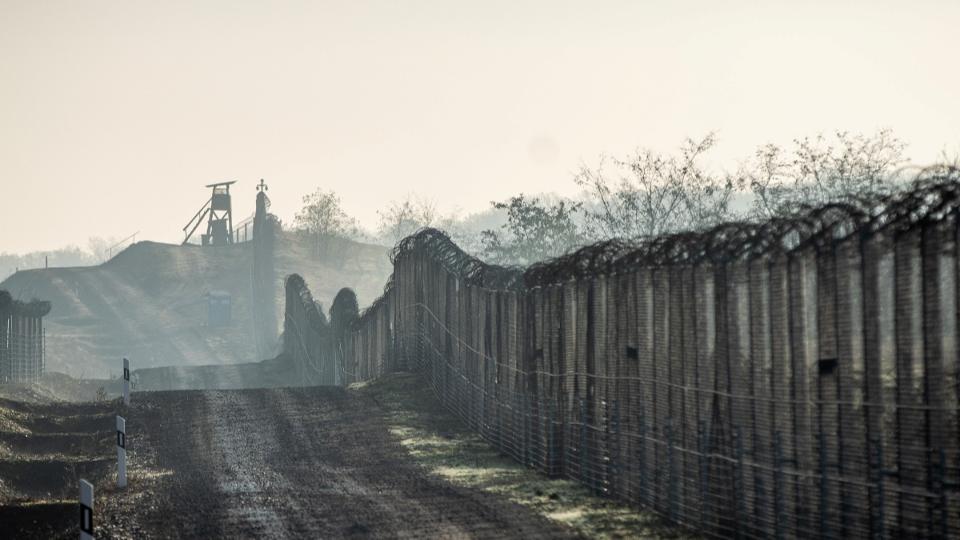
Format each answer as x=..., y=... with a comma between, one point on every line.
x=221, y=184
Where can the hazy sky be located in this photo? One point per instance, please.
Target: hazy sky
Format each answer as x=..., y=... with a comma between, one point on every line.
x=113, y=115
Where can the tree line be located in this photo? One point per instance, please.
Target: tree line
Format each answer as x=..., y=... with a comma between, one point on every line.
x=96, y=252
x=640, y=195
x=643, y=195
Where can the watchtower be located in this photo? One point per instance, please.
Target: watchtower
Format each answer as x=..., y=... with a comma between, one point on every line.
x=217, y=210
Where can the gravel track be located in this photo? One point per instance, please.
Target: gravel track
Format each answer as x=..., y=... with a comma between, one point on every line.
x=300, y=463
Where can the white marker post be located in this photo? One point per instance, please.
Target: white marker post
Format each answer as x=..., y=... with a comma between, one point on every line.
x=126, y=382
x=121, y=452
x=86, y=510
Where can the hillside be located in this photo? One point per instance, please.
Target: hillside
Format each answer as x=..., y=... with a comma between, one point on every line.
x=149, y=302
x=362, y=267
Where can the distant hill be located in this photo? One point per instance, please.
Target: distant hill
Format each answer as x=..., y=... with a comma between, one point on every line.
x=149, y=302
x=68, y=256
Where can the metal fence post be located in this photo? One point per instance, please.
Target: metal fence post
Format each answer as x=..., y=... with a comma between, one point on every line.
x=778, y=485
x=499, y=405
x=527, y=412
x=704, y=481
x=615, y=450
x=516, y=428
x=738, y=483
x=642, y=456
x=583, y=442
x=940, y=490
x=824, y=492
x=875, y=463
x=881, y=492
x=551, y=451
x=671, y=472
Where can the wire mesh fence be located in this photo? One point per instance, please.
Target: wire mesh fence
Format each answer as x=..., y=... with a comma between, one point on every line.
x=22, y=339
x=796, y=378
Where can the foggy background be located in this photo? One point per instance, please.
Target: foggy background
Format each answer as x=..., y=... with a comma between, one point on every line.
x=115, y=114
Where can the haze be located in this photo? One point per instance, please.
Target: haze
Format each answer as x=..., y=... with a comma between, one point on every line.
x=113, y=115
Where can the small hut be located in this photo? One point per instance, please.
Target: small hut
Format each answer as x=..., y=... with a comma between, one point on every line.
x=218, y=309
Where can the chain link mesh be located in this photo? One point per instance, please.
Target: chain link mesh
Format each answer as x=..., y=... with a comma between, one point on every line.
x=797, y=378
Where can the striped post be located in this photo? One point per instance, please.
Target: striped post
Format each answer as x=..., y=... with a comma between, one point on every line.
x=121, y=452
x=86, y=510
x=126, y=382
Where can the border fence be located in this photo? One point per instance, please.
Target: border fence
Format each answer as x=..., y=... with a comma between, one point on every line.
x=22, y=343
x=793, y=378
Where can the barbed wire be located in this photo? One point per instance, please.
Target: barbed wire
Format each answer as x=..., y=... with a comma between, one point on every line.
x=768, y=400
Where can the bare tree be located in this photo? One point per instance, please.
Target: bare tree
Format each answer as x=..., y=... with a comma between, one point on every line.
x=323, y=217
x=649, y=194
x=402, y=218
x=818, y=170
x=99, y=246
x=466, y=230
x=65, y=256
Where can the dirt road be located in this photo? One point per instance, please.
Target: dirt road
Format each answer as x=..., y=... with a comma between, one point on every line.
x=301, y=463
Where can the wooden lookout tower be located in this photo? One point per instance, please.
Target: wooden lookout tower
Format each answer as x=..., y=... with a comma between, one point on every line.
x=219, y=218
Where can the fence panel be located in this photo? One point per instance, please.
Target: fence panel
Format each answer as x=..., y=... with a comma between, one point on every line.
x=799, y=381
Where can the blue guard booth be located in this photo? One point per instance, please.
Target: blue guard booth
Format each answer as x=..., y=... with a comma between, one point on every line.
x=218, y=309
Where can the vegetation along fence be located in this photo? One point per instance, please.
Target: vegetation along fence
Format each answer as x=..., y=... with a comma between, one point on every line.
x=21, y=339
x=794, y=378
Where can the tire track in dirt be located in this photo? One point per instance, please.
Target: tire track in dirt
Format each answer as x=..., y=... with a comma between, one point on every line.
x=303, y=463
x=253, y=490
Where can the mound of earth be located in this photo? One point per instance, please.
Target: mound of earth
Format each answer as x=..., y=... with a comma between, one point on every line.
x=149, y=303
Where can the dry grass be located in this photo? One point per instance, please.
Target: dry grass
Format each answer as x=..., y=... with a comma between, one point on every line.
x=46, y=445
x=441, y=443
